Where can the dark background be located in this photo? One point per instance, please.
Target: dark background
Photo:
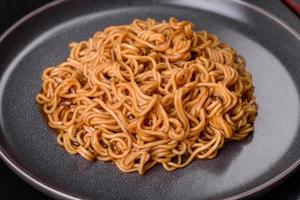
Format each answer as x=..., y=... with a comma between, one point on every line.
x=12, y=187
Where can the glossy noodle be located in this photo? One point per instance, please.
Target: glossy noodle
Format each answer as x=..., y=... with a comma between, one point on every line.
x=149, y=93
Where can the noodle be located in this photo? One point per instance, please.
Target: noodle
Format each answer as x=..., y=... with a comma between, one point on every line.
x=149, y=93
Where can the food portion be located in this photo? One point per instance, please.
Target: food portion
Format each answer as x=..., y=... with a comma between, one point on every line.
x=149, y=93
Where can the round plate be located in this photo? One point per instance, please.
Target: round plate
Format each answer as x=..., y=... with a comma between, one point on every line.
x=41, y=39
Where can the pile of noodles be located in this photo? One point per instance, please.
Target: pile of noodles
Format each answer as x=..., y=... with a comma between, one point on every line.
x=149, y=93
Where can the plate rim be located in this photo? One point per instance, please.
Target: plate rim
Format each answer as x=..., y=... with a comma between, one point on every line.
x=51, y=191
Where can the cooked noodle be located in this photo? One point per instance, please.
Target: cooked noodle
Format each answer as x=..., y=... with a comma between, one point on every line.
x=149, y=93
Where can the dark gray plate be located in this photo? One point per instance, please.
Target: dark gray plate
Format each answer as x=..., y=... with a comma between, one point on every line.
x=242, y=169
